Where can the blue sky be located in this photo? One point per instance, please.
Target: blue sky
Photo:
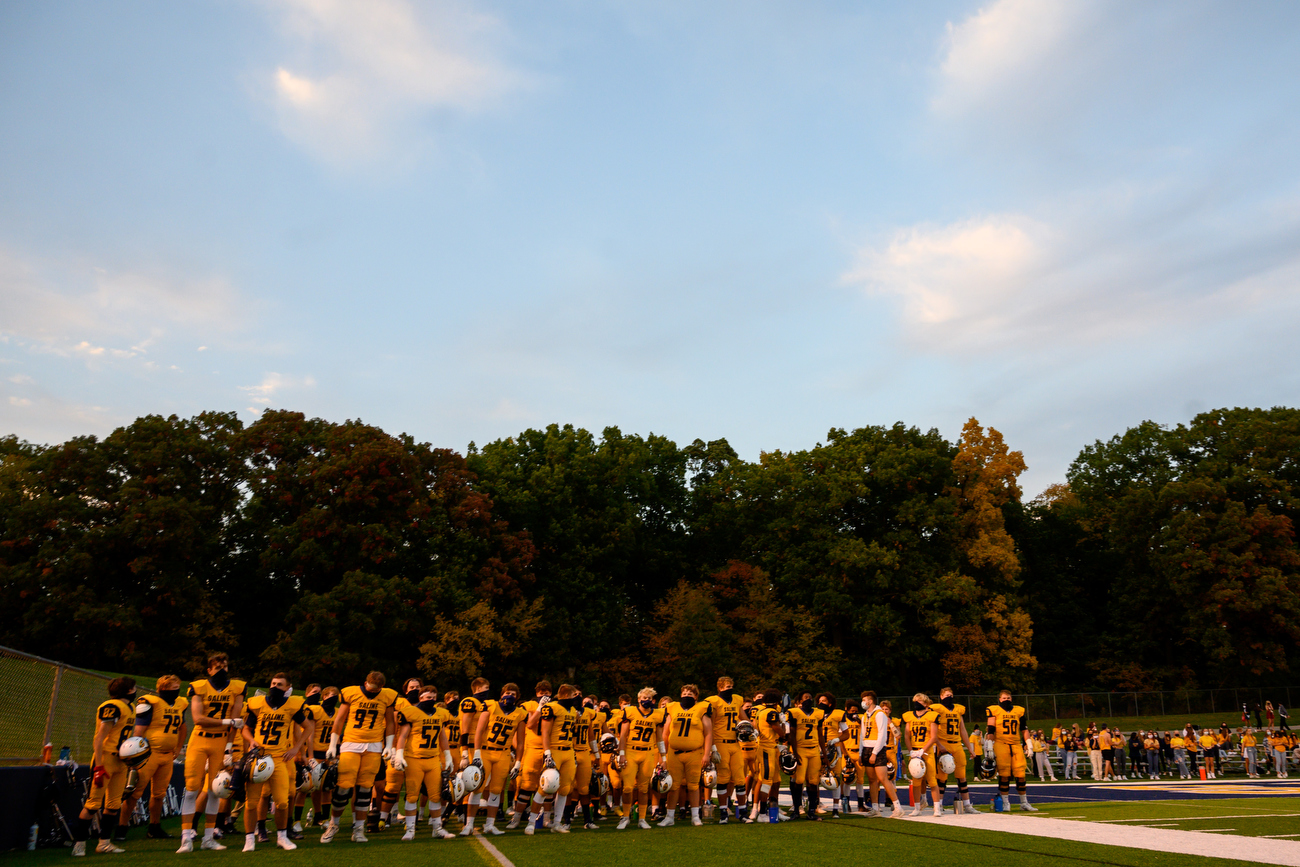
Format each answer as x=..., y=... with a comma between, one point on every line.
x=754, y=220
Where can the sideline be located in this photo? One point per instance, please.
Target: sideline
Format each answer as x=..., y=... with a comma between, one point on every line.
x=1261, y=850
x=506, y=862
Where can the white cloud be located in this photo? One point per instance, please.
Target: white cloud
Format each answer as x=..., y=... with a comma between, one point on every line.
x=100, y=315
x=272, y=384
x=363, y=72
x=1001, y=45
x=1091, y=275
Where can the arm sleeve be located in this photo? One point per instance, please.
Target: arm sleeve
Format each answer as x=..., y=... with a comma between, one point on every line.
x=300, y=717
x=882, y=734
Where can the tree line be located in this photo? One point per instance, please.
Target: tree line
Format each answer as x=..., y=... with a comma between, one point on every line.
x=1166, y=559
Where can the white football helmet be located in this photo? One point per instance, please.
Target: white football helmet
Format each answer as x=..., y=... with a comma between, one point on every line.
x=947, y=763
x=829, y=781
x=261, y=770
x=472, y=777
x=834, y=754
x=316, y=774
x=134, y=752
x=457, y=788
x=223, y=785
x=709, y=779
x=916, y=768
x=665, y=784
x=600, y=783
x=550, y=781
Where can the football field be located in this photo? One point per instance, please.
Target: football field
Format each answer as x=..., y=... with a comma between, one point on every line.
x=1197, y=824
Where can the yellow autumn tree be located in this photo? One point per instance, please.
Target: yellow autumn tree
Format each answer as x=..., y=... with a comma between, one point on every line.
x=991, y=636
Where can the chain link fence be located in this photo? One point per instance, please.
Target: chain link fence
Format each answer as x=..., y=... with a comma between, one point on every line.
x=48, y=703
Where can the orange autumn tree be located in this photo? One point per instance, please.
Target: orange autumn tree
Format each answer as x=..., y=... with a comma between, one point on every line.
x=988, y=640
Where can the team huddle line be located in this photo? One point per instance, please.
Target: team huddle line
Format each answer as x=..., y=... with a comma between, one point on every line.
x=361, y=747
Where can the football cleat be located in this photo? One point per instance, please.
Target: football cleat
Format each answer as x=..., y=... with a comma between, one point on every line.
x=286, y=844
x=623, y=823
x=250, y=844
x=331, y=828
x=212, y=846
x=359, y=834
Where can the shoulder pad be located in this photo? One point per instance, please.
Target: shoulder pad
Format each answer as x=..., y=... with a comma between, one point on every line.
x=143, y=707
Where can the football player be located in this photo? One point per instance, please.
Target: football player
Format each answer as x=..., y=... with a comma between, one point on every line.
x=276, y=726
x=855, y=774
x=500, y=726
x=920, y=724
x=727, y=712
x=586, y=754
x=771, y=724
x=363, y=731
x=609, y=754
x=952, y=741
x=559, y=721
x=531, y=759
x=874, y=756
x=217, y=710
x=114, y=723
x=637, y=758
x=807, y=741
x=394, y=777
x=1007, y=722
x=688, y=732
x=322, y=714
x=834, y=735
x=748, y=737
x=421, y=754
x=159, y=719
x=470, y=710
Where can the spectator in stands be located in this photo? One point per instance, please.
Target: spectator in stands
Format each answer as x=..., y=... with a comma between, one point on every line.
x=1209, y=751
x=1137, y=756
x=1277, y=742
x=1094, y=753
x=1179, y=745
x=1151, y=744
x=1250, y=753
x=1166, y=754
x=1268, y=713
x=1071, y=760
x=1259, y=720
x=1283, y=717
x=1190, y=735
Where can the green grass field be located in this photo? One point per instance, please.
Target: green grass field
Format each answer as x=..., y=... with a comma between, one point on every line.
x=743, y=846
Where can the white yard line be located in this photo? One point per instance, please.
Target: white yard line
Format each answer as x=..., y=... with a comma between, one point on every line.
x=1279, y=836
x=496, y=853
x=1257, y=849
x=1200, y=818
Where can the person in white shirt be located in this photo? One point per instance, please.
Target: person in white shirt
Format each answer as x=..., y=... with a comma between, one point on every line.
x=871, y=751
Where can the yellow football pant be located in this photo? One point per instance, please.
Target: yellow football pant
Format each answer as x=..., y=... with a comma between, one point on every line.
x=640, y=768
x=280, y=785
x=203, y=760
x=567, y=766
x=731, y=770
x=610, y=767
x=530, y=773
x=769, y=765
x=582, y=773
x=685, y=765
x=958, y=756
x=809, y=772
x=497, y=765
x=107, y=794
x=1010, y=759
x=358, y=769
x=156, y=774
x=425, y=772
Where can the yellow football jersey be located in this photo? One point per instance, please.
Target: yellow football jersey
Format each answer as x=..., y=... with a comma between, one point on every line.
x=320, y=740
x=1007, y=724
x=366, y=716
x=725, y=716
x=918, y=727
x=469, y=705
x=831, y=723
x=533, y=731
x=163, y=721
x=453, y=727
x=564, y=724
x=587, y=728
x=119, y=715
x=685, y=727
x=806, y=726
x=272, y=727
x=218, y=704
x=949, y=723
x=766, y=718
x=426, y=729
x=501, y=726
x=642, y=727
x=851, y=737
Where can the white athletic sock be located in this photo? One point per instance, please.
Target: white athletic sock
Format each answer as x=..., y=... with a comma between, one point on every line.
x=489, y=822
x=207, y=833
x=358, y=823
x=282, y=835
x=469, y=822
x=560, y=801
x=695, y=812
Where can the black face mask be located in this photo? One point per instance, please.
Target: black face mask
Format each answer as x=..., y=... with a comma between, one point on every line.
x=508, y=702
x=220, y=680
x=330, y=704
x=648, y=705
x=687, y=702
x=806, y=705
x=918, y=707
x=169, y=695
x=313, y=699
x=413, y=696
x=851, y=712
x=589, y=704
x=483, y=694
x=725, y=695
x=825, y=707
x=1007, y=705
x=428, y=705
x=604, y=708
x=275, y=696
x=947, y=702
x=365, y=688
